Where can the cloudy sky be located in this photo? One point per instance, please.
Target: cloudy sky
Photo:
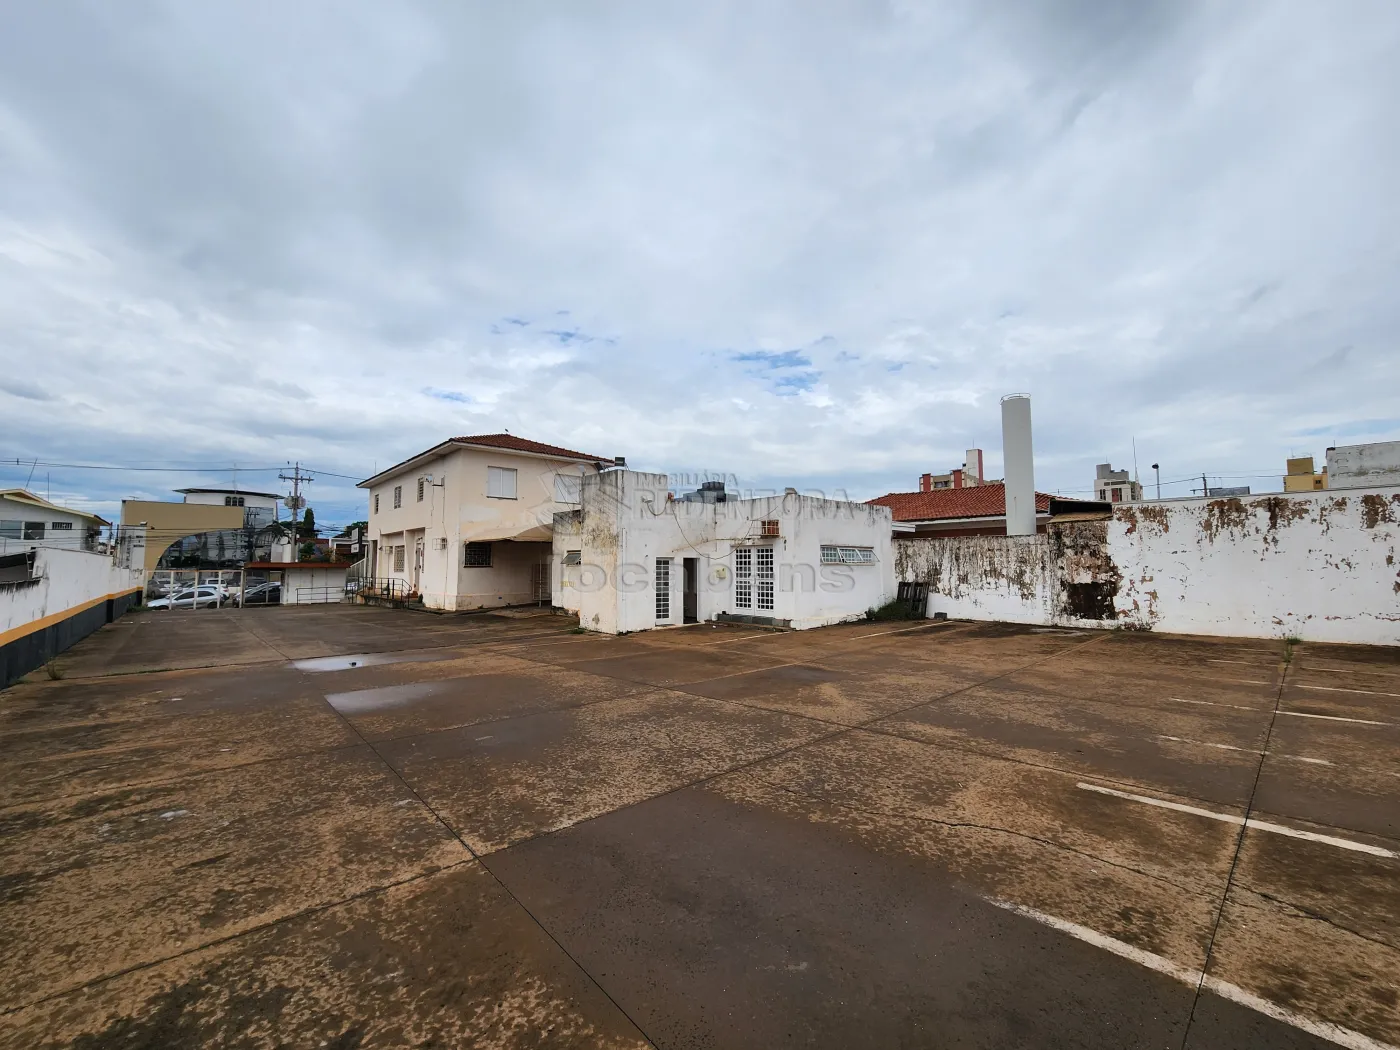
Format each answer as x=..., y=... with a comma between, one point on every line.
x=801, y=243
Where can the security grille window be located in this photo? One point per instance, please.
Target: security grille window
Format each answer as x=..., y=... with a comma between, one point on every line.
x=743, y=577
x=573, y=557
x=763, y=573
x=61, y=526
x=663, y=589
x=398, y=496
x=398, y=559
x=376, y=503
x=500, y=482
x=478, y=556
x=420, y=490
x=233, y=501
x=848, y=555
x=770, y=528
x=34, y=530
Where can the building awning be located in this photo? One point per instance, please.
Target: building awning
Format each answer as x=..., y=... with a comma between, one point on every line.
x=533, y=534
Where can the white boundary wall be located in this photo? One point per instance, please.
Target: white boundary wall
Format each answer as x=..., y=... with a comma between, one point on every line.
x=65, y=582
x=1321, y=566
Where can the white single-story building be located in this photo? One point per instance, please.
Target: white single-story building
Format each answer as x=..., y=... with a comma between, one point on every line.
x=633, y=556
x=28, y=521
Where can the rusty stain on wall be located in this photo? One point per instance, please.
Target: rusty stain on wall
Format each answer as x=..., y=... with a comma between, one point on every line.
x=1377, y=509
x=1224, y=515
x=1320, y=566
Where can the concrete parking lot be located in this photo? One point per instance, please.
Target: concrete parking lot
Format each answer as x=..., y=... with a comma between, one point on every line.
x=351, y=827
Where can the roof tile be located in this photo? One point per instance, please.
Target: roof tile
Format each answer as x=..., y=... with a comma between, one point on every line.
x=980, y=501
x=519, y=444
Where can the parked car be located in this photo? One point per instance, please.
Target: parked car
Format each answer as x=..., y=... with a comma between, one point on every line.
x=263, y=593
x=205, y=596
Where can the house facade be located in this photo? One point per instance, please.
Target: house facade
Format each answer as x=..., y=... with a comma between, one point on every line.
x=977, y=511
x=631, y=557
x=467, y=524
x=28, y=521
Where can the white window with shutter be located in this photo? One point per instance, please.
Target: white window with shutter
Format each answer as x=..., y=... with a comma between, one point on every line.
x=743, y=577
x=763, y=576
x=663, y=589
x=568, y=488
x=500, y=482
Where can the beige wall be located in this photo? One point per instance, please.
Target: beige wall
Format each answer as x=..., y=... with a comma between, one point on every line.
x=455, y=508
x=168, y=522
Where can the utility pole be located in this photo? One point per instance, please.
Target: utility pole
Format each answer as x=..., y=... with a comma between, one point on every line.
x=1205, y=488
x=295, y=503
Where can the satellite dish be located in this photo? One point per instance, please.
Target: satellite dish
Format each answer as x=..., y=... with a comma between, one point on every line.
x=295, y=502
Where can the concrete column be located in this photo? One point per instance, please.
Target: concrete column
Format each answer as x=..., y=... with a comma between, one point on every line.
x=1019, y=464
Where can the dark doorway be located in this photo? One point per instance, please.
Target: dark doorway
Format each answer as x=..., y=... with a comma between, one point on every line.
x=690, y=605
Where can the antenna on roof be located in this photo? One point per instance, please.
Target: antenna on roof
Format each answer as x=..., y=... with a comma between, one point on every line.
x=1135, y=474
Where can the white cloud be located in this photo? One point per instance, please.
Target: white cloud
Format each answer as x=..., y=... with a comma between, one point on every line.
x=232, y=244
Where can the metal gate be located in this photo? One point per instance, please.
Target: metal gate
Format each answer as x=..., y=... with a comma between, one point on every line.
x=179, y=590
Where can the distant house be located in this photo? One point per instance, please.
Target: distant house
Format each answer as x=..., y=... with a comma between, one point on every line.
x=1374, y=465
x=977, y=511
x=1115, y=486
x=211, y=528
x=27, y=521
x=468, y=523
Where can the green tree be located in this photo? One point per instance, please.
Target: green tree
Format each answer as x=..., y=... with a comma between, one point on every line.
x=307, y=526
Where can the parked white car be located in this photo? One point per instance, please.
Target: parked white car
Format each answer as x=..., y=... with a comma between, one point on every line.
x=205, y=596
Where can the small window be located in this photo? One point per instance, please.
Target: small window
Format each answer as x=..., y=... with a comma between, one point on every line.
x=420, y=490
x=376, y=503
x=568, y=488
x=398, y=496
x=398, y=559
x=573, y=557
x=34, y=530
x=831, y=555
x=770, y=528
x=500, y=482
x=477, y=556
x=233, y=501
x=61, y=526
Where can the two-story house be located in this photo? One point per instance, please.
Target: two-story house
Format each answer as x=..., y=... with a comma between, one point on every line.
x=468, y=523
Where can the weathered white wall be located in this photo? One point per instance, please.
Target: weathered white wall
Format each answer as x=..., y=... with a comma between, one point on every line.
x=68, y=581
x=627, y=523
x=1364, y=466
x=1321, y=566
x=318, y=583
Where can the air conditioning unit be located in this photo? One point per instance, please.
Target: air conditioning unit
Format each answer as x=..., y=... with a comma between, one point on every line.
x=442, y=543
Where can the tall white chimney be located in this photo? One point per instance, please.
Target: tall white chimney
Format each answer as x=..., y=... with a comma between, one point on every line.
x=1019, y=465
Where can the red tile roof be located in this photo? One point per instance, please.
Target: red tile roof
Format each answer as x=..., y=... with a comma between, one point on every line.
x=520, y=444
x=980, y=501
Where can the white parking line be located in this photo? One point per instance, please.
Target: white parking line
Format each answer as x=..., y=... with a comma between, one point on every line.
x=1246, y=750
x=1334, y=1033
x=1211, y=703
x=1335, y=718
x=1252, y=822
x=1341, y=689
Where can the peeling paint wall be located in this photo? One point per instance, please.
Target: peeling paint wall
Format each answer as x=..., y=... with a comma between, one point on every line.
x=1324, y=566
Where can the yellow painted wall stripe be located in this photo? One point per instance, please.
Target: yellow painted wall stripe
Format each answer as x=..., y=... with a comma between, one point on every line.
x=16, y=633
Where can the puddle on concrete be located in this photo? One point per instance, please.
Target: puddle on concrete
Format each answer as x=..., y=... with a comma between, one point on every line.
x=361, y=700
x=344, y=663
